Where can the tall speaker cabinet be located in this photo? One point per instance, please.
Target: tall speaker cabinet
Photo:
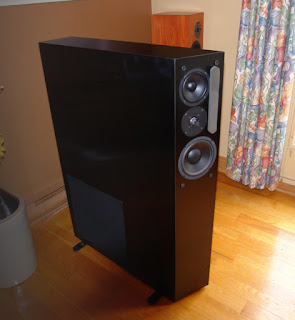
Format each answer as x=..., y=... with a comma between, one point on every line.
x=137, y=129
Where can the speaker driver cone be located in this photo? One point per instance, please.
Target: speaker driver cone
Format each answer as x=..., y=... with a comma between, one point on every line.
x=196, y=45
x=194, y=87
x=194, y=121
x=197, y=158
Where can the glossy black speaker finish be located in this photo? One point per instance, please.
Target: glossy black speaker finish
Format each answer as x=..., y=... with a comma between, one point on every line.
x=117, y=117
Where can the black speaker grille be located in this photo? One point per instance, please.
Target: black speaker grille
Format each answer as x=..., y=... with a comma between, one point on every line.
x=99, y=219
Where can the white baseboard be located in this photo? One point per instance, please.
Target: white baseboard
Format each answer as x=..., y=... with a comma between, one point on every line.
x=221, y=164
x=282, y=187
x=47, y=201
x=54, y=198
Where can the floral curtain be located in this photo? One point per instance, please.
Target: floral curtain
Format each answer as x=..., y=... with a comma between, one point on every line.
x=262, y=92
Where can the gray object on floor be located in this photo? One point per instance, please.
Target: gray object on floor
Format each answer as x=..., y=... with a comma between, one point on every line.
x=18, y=258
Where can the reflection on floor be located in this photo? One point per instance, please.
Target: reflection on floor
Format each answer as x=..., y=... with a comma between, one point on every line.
x=252, y=270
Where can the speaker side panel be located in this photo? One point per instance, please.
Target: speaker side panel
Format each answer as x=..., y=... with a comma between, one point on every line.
x=195, y=195
x=113, y=115
x=196, y=31
x=178, y=29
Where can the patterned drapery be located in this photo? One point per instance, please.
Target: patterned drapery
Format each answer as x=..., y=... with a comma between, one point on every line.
x=262, y=92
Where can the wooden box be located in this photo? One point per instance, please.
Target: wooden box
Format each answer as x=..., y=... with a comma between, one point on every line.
x=180, y=29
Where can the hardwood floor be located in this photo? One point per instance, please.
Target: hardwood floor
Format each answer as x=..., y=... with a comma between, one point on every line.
x=252, y=270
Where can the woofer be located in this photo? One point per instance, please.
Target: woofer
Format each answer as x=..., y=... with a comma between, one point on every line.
x=196, y=45
x=194, y=87
x=197, y=158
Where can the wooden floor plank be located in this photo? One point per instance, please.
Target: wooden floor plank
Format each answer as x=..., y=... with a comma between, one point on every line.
x=254, y=312
x=8, y=308
x=252, y=270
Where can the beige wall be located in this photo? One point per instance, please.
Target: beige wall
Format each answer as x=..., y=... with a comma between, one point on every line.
x=32, y=165
x=221, y=30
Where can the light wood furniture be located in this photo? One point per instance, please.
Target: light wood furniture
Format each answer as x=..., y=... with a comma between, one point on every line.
x=252, y=270
x=176, y=28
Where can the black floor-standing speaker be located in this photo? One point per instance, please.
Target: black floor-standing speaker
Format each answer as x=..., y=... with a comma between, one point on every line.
x=137, y=128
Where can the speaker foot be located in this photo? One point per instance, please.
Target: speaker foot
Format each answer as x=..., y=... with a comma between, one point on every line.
x=79, y=246
x=153, y=299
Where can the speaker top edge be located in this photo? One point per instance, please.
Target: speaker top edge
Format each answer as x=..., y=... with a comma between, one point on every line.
x=178, y=13
x=144, y=49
